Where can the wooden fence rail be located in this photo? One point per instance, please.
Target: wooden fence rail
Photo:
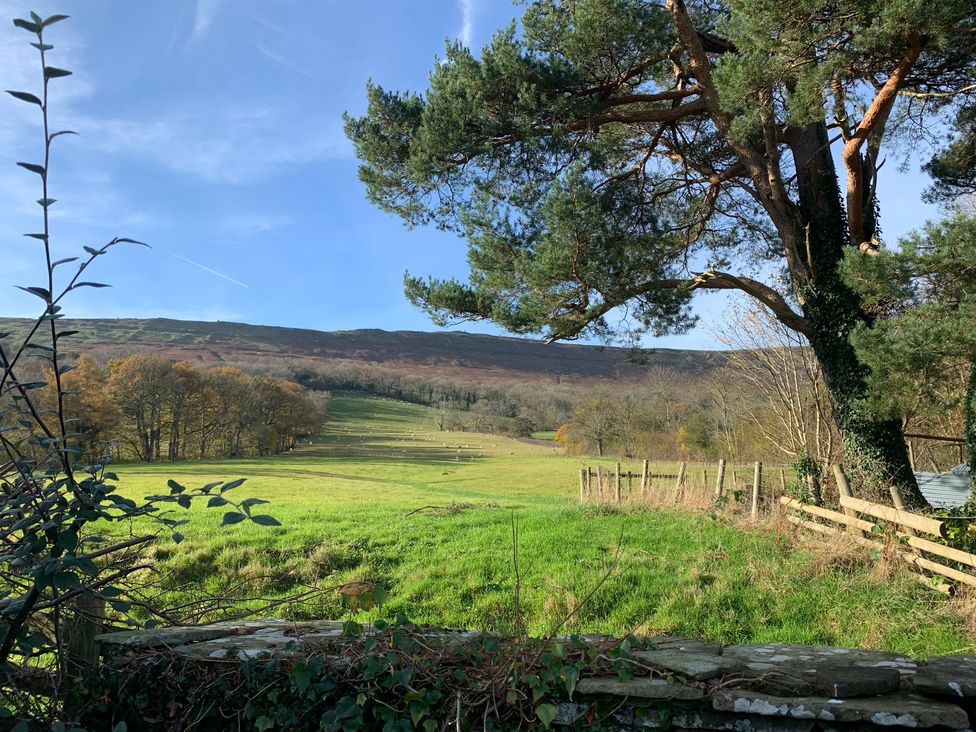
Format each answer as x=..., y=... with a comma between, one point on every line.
x=904, y=526
x=859, y=520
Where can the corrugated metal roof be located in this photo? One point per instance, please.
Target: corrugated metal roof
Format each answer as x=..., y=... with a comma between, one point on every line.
x=944, y=490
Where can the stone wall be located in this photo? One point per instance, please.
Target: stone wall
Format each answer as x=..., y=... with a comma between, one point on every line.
x=666, y=683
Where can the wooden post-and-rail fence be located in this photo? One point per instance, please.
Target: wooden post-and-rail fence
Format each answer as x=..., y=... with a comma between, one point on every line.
x=618, y=486
x=912, y=538
x=872, y=525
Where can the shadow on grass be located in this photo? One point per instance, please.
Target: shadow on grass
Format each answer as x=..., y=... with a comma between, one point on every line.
x=390, y=449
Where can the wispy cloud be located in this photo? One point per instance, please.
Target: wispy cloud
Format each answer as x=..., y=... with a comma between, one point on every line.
x=208, y=269
x=234, y=144
x=468, y=10
x=22, y=72
x=206, y=12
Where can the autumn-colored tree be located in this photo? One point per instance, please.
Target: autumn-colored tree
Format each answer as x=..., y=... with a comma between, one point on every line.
x=140, y=386
x=88, y=409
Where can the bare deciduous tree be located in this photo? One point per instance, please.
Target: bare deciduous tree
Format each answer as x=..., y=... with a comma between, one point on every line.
x=795, y=414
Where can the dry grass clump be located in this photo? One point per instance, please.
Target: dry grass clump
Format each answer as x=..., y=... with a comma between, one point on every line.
x=963, y=605
x=693, y=497
x=831, y=553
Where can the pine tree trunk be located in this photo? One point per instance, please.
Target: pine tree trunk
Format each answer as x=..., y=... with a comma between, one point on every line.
x=875, y=451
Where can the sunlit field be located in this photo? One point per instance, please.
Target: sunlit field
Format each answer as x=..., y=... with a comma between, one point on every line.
x=383, y=497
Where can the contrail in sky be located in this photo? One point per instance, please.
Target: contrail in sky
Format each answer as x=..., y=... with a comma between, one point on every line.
x=467, y=21
x=211, y=271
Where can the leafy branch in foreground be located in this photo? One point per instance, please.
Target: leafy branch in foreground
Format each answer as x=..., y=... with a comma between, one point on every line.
x=62, y=553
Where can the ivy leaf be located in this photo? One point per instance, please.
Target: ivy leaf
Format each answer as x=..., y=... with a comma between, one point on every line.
x=45, y=202
x=177, y=537
x=301, y=676
x=570, y=676
x=25, y=97
x=216, y=501
x=546, y=714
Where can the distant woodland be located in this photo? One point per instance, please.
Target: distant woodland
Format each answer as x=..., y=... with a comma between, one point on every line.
x=765, y=400
x=146, y=408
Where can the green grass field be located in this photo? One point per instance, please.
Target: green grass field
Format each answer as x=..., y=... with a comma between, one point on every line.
x=383, y=497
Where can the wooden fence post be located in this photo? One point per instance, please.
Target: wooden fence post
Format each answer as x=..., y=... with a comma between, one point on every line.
x=898, y=502
x=86, y=622
x=782, y=481
x=599, y=480
x=616, y=485
x=582, y=479
x=644, y=473
x=844, y=488
x=679, y=484
x=705, y=478
x=720, y=481
x=756, y=480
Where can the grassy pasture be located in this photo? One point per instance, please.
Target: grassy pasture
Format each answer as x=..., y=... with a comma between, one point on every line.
x=384, y=497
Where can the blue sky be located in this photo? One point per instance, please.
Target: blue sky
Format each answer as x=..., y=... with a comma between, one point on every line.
x=212, y=130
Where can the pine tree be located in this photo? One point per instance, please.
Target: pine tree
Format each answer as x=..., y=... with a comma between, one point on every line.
x=613, y=157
